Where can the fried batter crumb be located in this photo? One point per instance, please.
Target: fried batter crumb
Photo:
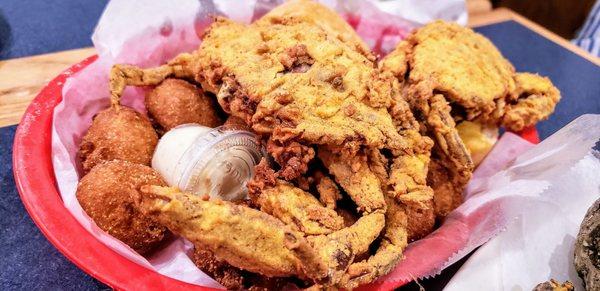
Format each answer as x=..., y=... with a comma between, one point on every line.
x=231, y=277
x=554, y=285
x=329, y=193
x=292, y=156
x=227, y=275
x=264, y=177
x=296, y=59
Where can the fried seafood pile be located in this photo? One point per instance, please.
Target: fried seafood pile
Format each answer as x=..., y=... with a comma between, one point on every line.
x=323, y=109
x=357, y=147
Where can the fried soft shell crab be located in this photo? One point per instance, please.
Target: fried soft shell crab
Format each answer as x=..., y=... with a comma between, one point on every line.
x=450, y=74
x=350, y=182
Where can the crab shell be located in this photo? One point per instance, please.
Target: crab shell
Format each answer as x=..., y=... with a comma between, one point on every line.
x=475, y=79
x=450, y=74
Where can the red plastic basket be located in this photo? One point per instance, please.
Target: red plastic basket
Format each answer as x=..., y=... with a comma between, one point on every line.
x=34, y=176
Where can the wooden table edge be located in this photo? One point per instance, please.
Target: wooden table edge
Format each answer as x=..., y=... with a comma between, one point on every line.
x=21, y=79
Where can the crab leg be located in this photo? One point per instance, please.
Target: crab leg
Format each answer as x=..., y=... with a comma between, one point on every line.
x=407, y=180
x=244, y=237
x=364, y=187
x=355, y=177
x=533, y=100
x=328, y=190
x=303, y=211
x=292, y=205
x=409, y=212
x=299, y=209
x=388, y=254
x=127, y=75
x=438, y=115
x=451, y=158
x=339, y=248
x=408, y=185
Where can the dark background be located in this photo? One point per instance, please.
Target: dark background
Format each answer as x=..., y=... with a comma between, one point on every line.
x=28, y=261
x=563, y=17
x=35, y=26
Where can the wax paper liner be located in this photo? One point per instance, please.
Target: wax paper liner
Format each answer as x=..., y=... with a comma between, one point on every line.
x=516, y=181
x=149, y=33
x=539, y=242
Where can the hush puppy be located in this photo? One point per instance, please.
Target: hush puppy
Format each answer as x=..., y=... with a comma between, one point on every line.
x=118, y=133
x=237, y=123
x=105, y=194
x=174, y=102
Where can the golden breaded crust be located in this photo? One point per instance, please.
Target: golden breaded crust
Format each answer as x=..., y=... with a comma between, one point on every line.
x=296, y=76
x=317, y=14
x=244, y=237
x=451, y=74
x=534, y=100
x=299, y=209
x=227, y=275
x=460, y=63
x=233, y=278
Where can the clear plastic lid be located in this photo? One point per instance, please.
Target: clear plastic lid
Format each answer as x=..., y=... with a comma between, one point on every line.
x=219, y=164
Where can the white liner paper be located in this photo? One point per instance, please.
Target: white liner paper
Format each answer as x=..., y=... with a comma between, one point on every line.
x=539, y=241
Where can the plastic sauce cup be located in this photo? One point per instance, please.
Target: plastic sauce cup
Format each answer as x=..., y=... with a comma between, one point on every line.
x=217, y=162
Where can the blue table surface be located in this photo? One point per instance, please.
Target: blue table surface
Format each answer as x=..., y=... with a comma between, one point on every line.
x=29, y=262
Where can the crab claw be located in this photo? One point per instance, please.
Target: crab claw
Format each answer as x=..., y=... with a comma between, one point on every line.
x=243, y=237
x=533, y=100
x=128, y=75
x=299, y=209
